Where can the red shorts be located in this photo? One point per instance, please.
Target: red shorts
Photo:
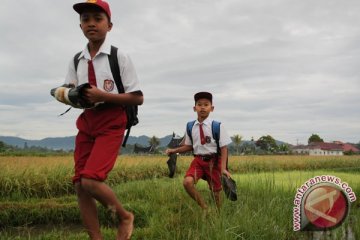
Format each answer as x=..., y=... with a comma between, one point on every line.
x=98, y=142
x=207, y=171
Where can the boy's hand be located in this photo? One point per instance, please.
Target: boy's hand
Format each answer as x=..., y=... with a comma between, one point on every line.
x=94, y=95
x=226, y=173
x=169, y=151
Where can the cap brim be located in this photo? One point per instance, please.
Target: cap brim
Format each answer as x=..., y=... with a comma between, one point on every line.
x=79, y=7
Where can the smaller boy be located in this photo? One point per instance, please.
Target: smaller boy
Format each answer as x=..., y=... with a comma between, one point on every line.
x=208, y=164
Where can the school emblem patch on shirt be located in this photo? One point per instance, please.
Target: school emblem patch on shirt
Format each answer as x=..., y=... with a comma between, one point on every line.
x=208, y=139
x=108, y=85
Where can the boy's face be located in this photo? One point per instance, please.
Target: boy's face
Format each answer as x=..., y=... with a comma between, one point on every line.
x=203, y=107
x=95, y=24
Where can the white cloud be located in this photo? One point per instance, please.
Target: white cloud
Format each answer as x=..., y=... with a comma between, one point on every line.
x=284, y=68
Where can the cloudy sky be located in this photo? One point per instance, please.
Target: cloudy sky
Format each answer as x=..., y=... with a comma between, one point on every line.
x=282, y=67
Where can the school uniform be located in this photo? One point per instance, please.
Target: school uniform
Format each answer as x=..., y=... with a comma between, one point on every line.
x=206, y=163
x=100, y=129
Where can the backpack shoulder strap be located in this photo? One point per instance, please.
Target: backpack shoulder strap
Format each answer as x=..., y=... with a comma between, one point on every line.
x=76, y=60
x=189, y=127
x=215, y=129
x=115, y=69
x=114, y=66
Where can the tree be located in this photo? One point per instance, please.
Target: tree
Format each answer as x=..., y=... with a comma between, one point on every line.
x=284, y=148
x=267, y=143
x=237, y=141
x=314, y=138
x=248, y=148
x=154, y=142
x=2, y=146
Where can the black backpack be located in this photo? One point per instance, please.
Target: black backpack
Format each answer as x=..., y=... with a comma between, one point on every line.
x=131, y=111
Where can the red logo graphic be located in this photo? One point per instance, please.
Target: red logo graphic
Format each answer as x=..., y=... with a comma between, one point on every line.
x=108, y=85
x=326, y=206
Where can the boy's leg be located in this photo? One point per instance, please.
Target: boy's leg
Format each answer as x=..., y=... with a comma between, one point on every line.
x=87, y=204
x=217, y=198
x=108, y=132
x=193, y=174
x=101, y=161
x=189, y=185
x=213, y=176
x=88, y=212
x=103, y=193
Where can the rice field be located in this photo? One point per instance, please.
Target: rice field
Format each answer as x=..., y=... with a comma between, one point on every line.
x=37, y=200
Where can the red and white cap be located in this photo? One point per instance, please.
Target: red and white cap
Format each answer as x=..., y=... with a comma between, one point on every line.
x=104, y=6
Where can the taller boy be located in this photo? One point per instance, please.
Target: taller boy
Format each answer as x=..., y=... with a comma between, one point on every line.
x=100, y=129
x=208, y=164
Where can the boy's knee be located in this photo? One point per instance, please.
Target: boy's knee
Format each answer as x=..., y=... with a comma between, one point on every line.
x=188, y=182
x=80, y=190
x=88, y=184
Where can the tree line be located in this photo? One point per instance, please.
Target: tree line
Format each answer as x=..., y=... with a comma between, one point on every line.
x=9, y=150
x=264, y=145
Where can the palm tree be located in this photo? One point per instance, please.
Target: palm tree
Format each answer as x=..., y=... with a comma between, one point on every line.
x=237, y=141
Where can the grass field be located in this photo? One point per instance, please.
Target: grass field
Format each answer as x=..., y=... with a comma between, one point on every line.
x=37, y=200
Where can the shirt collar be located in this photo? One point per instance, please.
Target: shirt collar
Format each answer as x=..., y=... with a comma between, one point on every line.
x=105, y=48
x=207, y=121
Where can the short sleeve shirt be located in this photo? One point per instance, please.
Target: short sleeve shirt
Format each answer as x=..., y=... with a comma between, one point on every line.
x=104, y=78
x=210, y=146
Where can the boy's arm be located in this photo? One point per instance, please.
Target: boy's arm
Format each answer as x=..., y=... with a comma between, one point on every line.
x=183, y=146
x=181, y=149
x=95, y=95
x=224, y=157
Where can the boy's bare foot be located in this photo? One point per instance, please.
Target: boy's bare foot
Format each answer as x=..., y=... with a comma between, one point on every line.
x=126, y=228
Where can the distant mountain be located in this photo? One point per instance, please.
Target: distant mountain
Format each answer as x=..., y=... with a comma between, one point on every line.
x=68, y=143
x=65, y=143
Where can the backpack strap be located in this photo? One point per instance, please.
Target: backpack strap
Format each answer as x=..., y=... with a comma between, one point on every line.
x=189, y=127
x=215, y=129
x=115, y=70
x=76, y=60
x=114, y=66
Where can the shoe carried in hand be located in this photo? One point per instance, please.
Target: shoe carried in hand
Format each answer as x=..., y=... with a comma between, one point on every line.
x=229, y=186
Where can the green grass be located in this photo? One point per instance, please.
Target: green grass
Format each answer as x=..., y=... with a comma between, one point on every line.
x=49, y=177
x=164, y=211
x=37, y=199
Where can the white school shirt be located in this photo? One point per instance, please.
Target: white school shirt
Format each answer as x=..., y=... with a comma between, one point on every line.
x=207, y=148
x=104, y=78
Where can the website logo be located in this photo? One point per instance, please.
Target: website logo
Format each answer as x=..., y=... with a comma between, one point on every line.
x=322, y=202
